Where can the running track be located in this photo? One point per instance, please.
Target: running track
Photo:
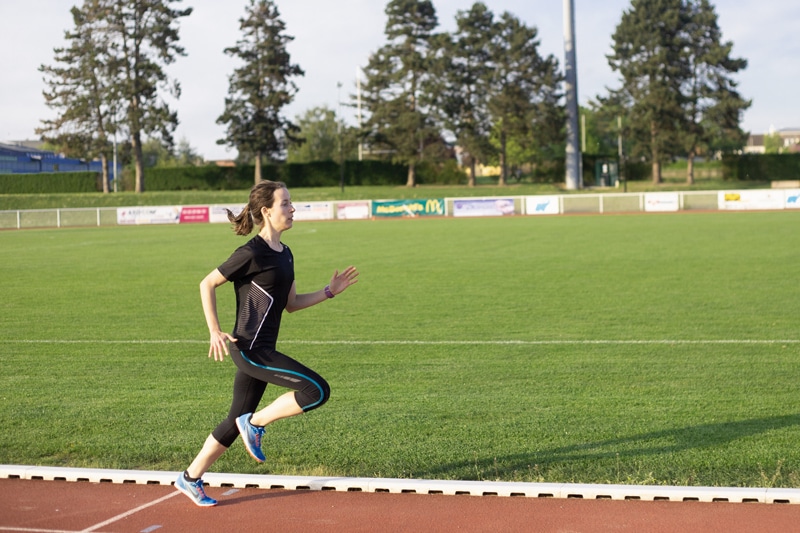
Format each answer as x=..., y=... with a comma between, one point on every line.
x=61, y=500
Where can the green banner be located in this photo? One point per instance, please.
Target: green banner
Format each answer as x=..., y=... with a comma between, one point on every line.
x=408, y=208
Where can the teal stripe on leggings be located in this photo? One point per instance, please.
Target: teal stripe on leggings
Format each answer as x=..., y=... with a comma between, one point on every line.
x=307, y=407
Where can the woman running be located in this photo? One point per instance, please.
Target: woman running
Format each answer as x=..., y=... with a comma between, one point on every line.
x=262, y=272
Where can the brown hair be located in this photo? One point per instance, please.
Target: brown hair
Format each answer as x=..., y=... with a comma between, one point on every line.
x=261, y=195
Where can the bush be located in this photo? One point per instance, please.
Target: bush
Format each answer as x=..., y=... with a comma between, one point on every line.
x=761, y=167
x=56, y=182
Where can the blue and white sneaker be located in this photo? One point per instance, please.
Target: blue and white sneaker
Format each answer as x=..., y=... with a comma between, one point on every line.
x=194, y=491
x=251, y=435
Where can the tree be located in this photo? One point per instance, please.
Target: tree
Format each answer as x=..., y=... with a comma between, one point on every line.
x=713, y=105
x=598, y=129
x=462, y=73
x=523, y=101
x=322, y=137
x=648, y=52
x=79, y=89
x=143, y=40
x=773, y=143
x=399, y=120
x=261, y=87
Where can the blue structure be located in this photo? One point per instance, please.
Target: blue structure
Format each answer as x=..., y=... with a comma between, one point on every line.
x=20, y=159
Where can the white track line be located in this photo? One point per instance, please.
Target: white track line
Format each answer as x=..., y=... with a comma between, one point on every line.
x=35, y=530
x=430, y=343
x=128, y=513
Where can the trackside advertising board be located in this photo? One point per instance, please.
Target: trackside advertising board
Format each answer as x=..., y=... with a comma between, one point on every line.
x=353, y=210
x=408, y=208
x=218, y=213
x=542, y=205
x=661, y=201
x=313, y=211
x=149, y=215
x=793, y=199
x=483, y=207
x=751, y=199
x=193, y=215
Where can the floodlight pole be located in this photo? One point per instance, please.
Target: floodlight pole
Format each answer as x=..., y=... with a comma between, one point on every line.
x=358, y=96
x=574, y=178
x=339, y=129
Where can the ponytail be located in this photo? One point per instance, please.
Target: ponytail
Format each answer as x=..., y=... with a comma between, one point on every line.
x=261, y=195
x=243, y=222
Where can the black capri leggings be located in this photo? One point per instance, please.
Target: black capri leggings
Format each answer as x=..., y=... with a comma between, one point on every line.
x=254, y=371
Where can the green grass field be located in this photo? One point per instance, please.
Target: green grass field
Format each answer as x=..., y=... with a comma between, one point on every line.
x=642, y=349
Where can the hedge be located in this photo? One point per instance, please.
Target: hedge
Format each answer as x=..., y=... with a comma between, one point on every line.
x=56, y=182
x=761, y=167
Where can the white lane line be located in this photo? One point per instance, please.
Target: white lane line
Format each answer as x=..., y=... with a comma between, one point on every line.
x=432, y=343
x=128, y=513
x=35, y=530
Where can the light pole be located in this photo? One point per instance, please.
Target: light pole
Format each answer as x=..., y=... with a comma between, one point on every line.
x=339, y=130
x=574, y=179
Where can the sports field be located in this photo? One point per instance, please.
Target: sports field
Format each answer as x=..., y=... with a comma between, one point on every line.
x=635, y=349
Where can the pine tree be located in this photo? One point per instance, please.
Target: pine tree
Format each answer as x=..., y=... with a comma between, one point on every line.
x=399, y=116
x=78, y=88
x=462, y=76
x=713, y=104
x=648, y=49
x=523, y=101
x=261, y=87
x=143, y=40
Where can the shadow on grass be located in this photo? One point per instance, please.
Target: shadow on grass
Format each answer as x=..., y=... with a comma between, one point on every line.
x=703, y=436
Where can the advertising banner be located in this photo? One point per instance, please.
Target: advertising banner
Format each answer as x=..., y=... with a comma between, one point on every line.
x=149, y=215
x=193, y=215
x=313, y=211
x=217, y=213
x=792, y=199
x=542, y=205
x=661, y=201
x=483, y=207
x=408, y=208
x=353, y=210
x=751, y=199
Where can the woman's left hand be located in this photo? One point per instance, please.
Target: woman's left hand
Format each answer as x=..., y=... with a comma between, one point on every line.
x=340, y=281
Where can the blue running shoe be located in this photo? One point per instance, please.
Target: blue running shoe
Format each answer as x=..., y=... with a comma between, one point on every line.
x=194, y=491
x=251, y=435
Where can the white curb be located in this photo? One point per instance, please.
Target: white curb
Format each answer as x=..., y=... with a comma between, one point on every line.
x=416, y=486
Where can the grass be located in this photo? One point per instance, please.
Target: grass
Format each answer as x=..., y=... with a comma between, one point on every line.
x=658, y=349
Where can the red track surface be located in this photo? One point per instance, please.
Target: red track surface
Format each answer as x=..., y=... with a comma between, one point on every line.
x=62, y=506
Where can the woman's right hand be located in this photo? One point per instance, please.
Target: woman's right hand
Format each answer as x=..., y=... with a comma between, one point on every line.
x=219, y=345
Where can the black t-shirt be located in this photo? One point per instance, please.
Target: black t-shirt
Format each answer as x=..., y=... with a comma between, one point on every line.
x=262, y=279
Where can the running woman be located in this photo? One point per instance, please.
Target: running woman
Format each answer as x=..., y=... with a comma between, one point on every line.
x=262, y=272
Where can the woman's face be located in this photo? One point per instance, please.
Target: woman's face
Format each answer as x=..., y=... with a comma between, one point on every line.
x=279, y=216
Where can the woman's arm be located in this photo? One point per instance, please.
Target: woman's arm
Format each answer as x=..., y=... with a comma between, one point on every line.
x=208, y=294
x=339, y=282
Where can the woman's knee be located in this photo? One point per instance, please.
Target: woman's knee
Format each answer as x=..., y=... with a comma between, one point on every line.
x=314, y=395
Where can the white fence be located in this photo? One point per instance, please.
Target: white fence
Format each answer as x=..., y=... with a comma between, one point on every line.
x=602, y=203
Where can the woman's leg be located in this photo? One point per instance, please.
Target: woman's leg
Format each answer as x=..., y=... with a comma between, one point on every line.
x=284, y=406
x=310, y=390
x=211, y=451
x=247, y=393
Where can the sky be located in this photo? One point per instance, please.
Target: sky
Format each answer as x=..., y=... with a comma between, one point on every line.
x=333, y=40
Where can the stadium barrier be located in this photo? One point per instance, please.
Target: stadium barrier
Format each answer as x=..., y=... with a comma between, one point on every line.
x=564, y=204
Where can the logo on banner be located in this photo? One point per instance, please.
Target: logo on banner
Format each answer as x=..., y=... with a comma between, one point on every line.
x=408, y=208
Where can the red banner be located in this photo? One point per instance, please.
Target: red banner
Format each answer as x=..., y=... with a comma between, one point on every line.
x=191, y=215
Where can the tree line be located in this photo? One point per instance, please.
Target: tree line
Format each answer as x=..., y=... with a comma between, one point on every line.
x=483, y=90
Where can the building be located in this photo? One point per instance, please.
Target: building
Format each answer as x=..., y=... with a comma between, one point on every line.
x=790, y=138
x=22, y=157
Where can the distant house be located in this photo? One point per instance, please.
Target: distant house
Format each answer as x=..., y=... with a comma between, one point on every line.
x=789, y=136
x=755, y=144
x=24, y=158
